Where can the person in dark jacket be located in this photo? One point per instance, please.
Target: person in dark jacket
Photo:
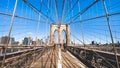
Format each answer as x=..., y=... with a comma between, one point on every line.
x=54, y=46
x=65, y=46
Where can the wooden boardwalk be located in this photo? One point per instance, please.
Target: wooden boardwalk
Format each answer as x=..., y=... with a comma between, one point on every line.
x=57, y=58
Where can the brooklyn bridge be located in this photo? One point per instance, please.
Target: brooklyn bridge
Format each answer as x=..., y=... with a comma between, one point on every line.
x=59, y=34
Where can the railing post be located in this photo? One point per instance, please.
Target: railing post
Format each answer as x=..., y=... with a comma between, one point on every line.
x=1, y=50
x=110, y=30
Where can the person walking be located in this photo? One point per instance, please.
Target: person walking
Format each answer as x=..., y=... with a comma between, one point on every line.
x=65, y=46
x=54, y=46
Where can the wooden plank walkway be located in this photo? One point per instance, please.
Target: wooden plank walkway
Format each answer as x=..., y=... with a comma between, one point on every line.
x=57, y=58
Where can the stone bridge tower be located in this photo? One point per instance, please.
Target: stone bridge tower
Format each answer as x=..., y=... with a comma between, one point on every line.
x=59, y=28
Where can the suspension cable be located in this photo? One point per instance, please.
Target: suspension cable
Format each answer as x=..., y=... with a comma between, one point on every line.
x=9, y=34
x=63, y=7
x=56, y=3
x=110, y=30
x=69, y=10
x=36, y=10
x=97, y=17
x=84, y=10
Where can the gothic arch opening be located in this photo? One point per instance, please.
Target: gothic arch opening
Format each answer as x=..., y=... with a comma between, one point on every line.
x=63, y=36
x=56, y=37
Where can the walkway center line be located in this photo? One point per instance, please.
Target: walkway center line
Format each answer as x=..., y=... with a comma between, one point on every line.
x=59, y=59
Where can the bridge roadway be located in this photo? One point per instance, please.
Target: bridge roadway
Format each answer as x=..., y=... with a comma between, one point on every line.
x=50, y=57
x=57, y=58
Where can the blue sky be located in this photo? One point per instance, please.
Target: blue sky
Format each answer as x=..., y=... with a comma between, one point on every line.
x=96, y=29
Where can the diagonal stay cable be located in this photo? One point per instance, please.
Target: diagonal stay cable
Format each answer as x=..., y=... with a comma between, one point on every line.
x=84, y=10
x=36, y=10
x=6, y=14
x=97, y=17
x=69, y=10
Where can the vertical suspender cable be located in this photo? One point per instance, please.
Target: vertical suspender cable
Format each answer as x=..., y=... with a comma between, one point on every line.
x=81, y=27
x=72, y=18
x=57, y=9
x=63, y=7
x=106, y=40
x=37, y=32
x=110, y=30
x=11, y=25
x=5, y=17
x=72, y=9
x=68, y=8
x=47, y=22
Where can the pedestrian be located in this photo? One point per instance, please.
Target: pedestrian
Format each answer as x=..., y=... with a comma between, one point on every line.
x=65, y=46
x=54, y=46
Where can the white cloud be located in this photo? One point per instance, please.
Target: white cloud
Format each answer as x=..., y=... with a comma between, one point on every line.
x=30, y=33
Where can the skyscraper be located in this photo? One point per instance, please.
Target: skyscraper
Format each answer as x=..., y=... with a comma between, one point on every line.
x=29, y=41
x=4, y=39
x=12, y=41
x=25, y=41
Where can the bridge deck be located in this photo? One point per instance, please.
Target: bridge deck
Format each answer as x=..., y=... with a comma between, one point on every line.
x=57, y=58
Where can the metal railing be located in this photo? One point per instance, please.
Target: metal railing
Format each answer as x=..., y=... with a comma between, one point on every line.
x=94, y=58
x=23, y=58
